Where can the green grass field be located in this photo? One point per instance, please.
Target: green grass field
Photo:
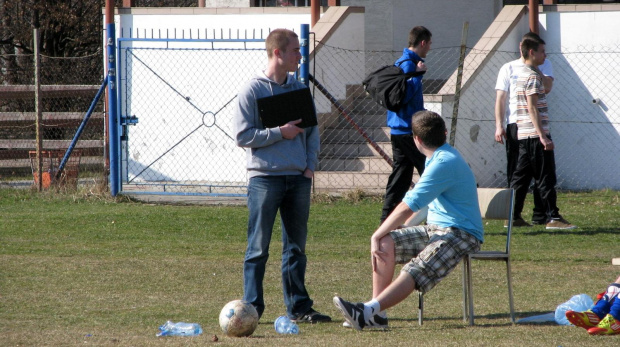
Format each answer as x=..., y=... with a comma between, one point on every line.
x=80, y=269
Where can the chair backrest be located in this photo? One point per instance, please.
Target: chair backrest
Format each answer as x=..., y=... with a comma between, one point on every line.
x=497, y=203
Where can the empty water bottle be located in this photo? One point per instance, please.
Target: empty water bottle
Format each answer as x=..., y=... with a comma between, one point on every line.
x=284, y=325
x=580, y=302
x=179, y=329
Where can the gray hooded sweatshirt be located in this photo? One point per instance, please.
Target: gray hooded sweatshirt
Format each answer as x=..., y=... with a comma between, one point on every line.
x=268, y=153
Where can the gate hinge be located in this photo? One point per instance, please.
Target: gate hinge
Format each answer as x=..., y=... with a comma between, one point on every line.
x=129, y=120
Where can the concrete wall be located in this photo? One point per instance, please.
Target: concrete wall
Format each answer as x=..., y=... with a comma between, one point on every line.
x=388, y=21
x=586, y=134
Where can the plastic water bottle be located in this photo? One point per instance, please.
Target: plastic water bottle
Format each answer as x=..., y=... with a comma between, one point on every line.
x=179, y=329
x=284, y=325
x=580, y=302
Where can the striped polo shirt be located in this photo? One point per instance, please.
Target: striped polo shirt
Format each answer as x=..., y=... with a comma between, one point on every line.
x=530, y=82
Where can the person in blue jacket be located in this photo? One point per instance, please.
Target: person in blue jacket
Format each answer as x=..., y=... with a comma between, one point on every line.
x=405, y=155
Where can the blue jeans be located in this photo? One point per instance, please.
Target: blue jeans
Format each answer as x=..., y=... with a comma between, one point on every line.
x=267, y=195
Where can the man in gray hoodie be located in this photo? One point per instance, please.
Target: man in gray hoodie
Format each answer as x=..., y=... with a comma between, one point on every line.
x=281, y=162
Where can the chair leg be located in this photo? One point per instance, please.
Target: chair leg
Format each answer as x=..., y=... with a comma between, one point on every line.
x=420, y=307
x=510, y=299
x=470, y=293
x=465, y=296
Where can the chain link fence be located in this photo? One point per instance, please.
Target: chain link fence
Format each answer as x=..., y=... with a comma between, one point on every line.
x=68, y=86
x=183, y=136
x=583, y=112
x=183, y=100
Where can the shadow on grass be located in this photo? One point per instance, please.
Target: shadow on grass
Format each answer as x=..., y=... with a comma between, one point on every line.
x=579, y=231
x=505, y=320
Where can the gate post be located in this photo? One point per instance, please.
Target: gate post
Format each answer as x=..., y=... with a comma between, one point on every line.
x=305, y=53
x=113, y=138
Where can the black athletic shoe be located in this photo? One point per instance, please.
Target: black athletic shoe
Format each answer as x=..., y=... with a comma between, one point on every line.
x=377, y=322
x=312, y=316
x=353, y=313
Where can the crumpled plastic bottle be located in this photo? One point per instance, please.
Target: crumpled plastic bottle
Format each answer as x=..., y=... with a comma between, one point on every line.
x=179, y=329
x=578, y=303
x=284, y=325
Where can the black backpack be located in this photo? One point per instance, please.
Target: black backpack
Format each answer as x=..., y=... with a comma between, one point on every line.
x=388, y=85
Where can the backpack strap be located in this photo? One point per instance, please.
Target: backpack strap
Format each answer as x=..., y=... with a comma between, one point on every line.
x=415, y=62
x=411, y=74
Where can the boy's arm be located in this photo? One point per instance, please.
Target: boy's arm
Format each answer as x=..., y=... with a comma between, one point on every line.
x=532, y=99
x=500, y=111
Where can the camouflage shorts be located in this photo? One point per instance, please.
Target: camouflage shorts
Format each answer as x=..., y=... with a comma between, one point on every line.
x=431, y=253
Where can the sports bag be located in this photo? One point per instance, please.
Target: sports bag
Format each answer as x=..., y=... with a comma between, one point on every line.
x=388, y=85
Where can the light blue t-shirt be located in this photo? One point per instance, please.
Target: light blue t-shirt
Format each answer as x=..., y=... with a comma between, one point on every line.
x=448, y=187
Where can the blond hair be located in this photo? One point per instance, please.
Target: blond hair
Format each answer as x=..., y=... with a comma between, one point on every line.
x=278, y=39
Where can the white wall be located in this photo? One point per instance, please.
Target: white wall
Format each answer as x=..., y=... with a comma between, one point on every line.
x=587, y=135
x=588, y=138
x=159, y=139
x=583, y=160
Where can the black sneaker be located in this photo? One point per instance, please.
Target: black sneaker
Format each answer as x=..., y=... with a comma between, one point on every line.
x=353, y=313
x=312, y=317
x=517, y=223
x=376, y=322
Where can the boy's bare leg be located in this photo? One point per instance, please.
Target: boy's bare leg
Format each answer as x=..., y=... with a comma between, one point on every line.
x=383, y=271
x=396, y=292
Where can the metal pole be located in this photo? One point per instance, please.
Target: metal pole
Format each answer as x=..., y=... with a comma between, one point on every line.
x=315, y=11
x=305, y=53
x=114, y=138
x=533, y=9
x=348, y=118
x=78, y=133
x=37, y=107
x=459, y=77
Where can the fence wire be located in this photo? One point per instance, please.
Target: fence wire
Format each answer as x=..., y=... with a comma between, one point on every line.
x=183, y=137
x=68, y=87
x=583, y=112
x=184, y=141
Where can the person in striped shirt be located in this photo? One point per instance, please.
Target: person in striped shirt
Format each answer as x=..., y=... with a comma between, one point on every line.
x=536, y=157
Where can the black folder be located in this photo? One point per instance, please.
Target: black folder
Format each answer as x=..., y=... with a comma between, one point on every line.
x=280, y=109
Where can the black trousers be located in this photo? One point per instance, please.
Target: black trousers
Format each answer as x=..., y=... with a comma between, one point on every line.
x=534, y=162
x=406, y=157
x=512, y=157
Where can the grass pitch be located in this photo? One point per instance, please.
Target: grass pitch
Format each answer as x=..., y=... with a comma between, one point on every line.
x=80, y=269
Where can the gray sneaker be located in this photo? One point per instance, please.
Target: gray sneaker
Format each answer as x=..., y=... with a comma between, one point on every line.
x=560, y=223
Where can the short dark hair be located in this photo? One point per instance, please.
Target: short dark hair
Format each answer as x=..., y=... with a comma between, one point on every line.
x=533, y=36
x=419, y=34
x=528, y=44
x=430, y=128
x=278, y=38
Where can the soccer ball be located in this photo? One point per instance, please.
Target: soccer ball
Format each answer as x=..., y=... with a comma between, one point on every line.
x=238, y=318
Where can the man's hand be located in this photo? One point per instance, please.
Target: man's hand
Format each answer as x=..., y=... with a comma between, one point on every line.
x=308, y=173
x=547, y=143
x=421, y=66
x=500, y=135
x=290, y=129
x=375, y=252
